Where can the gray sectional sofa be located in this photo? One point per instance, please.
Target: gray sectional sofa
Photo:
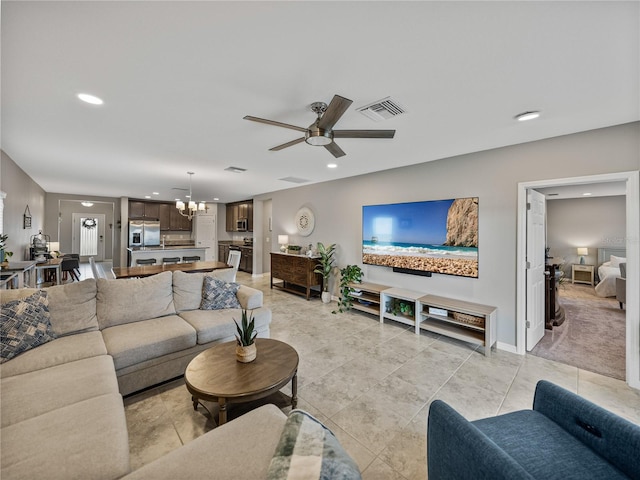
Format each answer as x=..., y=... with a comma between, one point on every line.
x=62, y=414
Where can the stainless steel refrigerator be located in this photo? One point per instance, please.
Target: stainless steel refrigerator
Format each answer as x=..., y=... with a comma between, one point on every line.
x=144, y=233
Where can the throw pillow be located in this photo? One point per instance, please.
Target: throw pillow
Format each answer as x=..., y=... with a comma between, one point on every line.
x=309, y=451
x=217, y=294
x=616, y=261
x=24, y=324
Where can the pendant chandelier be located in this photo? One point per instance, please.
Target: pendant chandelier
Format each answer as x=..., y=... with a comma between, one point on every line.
x=189, y=210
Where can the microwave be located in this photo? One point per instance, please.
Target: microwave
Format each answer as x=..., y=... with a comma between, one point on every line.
x=241, y=225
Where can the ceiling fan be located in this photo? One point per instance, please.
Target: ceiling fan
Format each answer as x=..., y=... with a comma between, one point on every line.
x=320, y=132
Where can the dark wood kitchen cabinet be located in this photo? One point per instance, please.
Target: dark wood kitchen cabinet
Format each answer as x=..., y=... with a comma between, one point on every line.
x=165, y=216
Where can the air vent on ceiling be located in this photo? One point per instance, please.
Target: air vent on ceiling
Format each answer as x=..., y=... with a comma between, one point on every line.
x=294, y=180
x=382, y=109
x=235, y=169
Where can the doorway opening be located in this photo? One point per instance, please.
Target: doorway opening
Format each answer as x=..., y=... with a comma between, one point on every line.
x=632, y=202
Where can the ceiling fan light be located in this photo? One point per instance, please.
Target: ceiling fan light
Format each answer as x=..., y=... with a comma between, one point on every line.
x=318, y=137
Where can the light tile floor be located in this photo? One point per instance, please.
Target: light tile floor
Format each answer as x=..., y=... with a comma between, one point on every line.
x=372, y=385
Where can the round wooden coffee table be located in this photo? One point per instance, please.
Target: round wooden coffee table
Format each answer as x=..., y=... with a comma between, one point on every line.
x=216, y=376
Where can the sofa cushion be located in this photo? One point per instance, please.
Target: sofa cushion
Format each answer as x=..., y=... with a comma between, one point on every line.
x=59, y=351
x=187, y=287
x=212, y=325
x=238, y=450
x=72, y=306
x=22, y=395
x=24, y=324
x=217, y=294
x=84, y=440
x=136, y=342
x=133, y=300
x=558, y=453
x=309, y=450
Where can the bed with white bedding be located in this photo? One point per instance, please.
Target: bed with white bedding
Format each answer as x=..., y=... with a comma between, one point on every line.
x=609, y=260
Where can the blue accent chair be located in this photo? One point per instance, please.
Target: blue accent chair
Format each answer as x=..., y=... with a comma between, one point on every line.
x=563, y=437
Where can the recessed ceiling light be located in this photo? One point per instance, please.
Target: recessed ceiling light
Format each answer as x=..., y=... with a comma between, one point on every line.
x=87, y=204
x=215, y=199
x=586, y=194
x=147, y=196
x=93, y=100
x=156, y=193
x=332, y=165
x=523, y=117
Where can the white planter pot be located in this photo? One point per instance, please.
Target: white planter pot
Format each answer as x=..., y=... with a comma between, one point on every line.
x=326, y=297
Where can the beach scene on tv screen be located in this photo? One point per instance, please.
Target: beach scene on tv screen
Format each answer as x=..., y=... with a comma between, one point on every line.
x=439, y=236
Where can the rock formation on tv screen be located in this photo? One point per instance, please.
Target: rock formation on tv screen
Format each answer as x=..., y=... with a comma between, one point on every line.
x=462, y=223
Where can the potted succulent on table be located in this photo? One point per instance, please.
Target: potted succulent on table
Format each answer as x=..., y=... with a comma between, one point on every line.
x=245, y=338
x=324, y=268
x=348, y=275
x=4, y=254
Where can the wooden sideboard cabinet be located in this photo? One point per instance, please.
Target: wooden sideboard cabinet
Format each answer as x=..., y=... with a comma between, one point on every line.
x=296, y=274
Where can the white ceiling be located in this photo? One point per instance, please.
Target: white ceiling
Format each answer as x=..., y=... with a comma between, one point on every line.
x=177, y=78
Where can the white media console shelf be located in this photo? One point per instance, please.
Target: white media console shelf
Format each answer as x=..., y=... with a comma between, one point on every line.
x=466, y=321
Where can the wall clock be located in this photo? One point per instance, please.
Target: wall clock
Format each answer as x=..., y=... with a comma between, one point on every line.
x=305, y=221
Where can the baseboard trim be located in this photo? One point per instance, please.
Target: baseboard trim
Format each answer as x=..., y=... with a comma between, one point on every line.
x=506, y=347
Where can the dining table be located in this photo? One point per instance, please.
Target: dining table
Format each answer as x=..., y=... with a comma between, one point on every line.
x=148, y=270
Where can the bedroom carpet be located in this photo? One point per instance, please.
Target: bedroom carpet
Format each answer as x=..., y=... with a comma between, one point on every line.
x=592, y=336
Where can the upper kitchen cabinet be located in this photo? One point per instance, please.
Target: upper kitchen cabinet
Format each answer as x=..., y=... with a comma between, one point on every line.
x=165, y=215
x=240, y=216
x=146, y=210
x=179, y=222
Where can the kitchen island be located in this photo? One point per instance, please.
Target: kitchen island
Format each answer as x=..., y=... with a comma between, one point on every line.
x=159, y=252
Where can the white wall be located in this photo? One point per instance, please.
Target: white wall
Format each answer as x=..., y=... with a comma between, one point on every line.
x=491, y=175
x=585, y=222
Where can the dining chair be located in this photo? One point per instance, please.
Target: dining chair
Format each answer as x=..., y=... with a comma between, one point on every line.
x=146, y=261
x=71, y=266
x=234, y=261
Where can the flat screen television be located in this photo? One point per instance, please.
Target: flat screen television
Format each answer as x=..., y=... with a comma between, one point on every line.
x=435, y=236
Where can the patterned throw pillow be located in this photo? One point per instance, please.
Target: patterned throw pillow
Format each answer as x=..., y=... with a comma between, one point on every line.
x=217, y=294
x=24, y=324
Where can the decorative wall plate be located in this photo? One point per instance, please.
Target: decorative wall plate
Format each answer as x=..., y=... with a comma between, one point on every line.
x=305, y=221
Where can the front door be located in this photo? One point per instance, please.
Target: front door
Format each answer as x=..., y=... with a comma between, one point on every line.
x=88, y=235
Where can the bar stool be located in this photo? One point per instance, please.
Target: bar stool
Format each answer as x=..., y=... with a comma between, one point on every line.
x=195, y=258
x=146, y=261
x=166, y=260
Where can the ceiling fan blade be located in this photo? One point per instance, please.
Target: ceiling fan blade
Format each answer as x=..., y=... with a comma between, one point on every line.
x=335, y=110
x=335, y=150
x=288, y=144
x=274, y=123
x=363, y=133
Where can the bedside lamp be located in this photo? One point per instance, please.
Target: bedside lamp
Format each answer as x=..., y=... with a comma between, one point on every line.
x=582, y=251
x=283, y=240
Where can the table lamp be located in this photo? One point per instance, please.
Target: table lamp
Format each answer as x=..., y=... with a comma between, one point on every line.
x=582, y=251
x=283, y=240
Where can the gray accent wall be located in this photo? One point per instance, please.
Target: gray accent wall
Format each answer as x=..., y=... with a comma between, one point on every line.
x=584, y=222
x=21, y=191
x=491, y=175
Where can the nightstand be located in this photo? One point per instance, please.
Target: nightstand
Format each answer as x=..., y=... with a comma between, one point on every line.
x=581, y=273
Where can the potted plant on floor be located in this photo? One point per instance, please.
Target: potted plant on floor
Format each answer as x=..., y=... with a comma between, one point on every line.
x=324, y=268
x=348, y=275
x=245, y=338
x=4, y=254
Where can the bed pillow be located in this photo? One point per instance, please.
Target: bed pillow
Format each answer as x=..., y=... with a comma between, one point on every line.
x=24, y=324
x=616, y=261
x=217, y=294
